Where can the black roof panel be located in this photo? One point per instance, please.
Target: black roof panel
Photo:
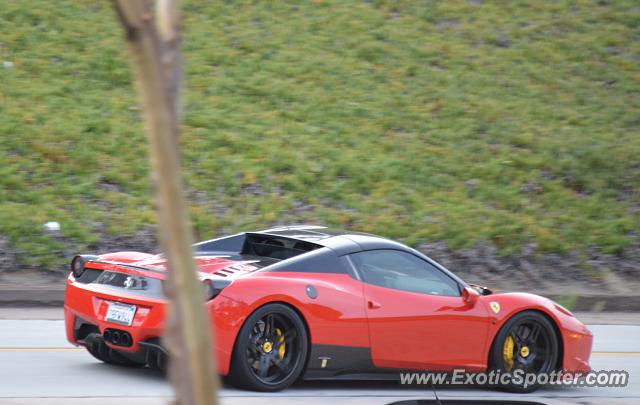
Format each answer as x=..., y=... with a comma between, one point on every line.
x=311, y=233
x=341, y=241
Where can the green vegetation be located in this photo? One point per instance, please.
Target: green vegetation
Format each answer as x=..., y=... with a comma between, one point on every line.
x=569, y=301
x=462, y=121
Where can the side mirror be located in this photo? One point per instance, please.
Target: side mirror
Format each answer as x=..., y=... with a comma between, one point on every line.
x=470, y=296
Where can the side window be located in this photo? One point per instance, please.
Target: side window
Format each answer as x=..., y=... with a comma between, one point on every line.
x=403, y=271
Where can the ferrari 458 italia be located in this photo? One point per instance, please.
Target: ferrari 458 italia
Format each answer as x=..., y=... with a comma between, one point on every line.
x=307, y=302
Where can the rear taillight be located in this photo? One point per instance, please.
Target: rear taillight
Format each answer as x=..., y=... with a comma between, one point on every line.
x=78, y=262
x=213, y=287
x=77, y=266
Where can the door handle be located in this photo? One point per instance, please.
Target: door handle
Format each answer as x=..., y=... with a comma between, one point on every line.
x=373, y=305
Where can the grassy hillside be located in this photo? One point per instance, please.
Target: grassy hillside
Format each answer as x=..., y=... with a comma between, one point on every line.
x=461, y=121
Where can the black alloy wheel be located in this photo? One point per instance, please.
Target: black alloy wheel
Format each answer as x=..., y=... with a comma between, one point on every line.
x=526, y=342
x=270, y=350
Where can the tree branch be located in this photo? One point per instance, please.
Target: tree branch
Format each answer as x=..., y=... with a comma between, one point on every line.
x=156, y=64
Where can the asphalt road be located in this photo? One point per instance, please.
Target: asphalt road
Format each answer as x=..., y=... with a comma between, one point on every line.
x=38, y=366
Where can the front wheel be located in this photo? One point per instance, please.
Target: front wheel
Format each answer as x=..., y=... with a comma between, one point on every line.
x=270, y=350
x=526, y=342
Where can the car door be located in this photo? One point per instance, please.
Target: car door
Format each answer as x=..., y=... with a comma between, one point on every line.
x=417, y=318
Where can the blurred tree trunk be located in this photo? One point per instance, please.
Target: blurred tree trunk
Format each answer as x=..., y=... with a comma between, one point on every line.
x=153, y=37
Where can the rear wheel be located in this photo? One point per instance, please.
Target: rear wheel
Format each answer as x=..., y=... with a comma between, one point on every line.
x=271, y=349
x=526, y=342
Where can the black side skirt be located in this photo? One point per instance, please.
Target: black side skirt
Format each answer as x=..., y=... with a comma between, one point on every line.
x=328, y=362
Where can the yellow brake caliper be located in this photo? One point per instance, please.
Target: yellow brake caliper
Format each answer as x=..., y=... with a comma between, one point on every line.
x=507, y=352
x=281, y=349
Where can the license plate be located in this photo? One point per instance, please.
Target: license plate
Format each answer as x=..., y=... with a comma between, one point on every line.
x=120, y=313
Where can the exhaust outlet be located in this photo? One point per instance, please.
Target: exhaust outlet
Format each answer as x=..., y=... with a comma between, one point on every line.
x=125, y=339
x=117, y=337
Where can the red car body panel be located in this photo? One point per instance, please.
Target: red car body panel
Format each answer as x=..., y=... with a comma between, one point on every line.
x=442, y=332
x=576, y=339
x=90, y=305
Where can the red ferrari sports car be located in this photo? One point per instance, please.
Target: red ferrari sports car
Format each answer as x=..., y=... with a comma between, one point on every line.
x=308, y=302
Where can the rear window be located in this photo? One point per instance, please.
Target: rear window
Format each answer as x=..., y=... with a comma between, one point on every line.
x=115, y=283
x=275, y=247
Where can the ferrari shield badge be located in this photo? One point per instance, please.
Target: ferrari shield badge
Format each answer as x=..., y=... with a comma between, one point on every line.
x=495, y=307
